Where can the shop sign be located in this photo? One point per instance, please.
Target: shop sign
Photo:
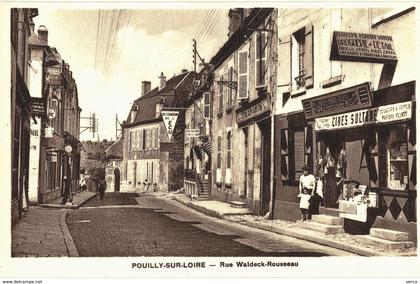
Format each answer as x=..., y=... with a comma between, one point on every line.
x=49, y=132
x=194, y=133
x=361, y=47
x=382, y=114
x=169, y=118
x=256, y=109
x=356, y=97
x=39, y=107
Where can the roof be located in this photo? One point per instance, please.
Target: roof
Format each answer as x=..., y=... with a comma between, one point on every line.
x=248, y=27
x=115, y=151
x=146, y=104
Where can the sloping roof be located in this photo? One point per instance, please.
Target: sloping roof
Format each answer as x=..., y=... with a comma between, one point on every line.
x=146, y=111
x=115, y=151
x=249, y=25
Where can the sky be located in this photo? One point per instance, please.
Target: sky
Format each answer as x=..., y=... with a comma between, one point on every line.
x=111, y=51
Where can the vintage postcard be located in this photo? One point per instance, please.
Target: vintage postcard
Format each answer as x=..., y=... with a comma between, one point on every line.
x=209, y=139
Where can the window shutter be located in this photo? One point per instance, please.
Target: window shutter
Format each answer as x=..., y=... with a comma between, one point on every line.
x=309, y=56
x=206, y=105
x=284, y=167
x=243, y=75
x=261, y=50
x=285, y=61
x=141, y=140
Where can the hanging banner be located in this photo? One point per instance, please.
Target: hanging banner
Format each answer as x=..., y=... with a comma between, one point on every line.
x=382, y=114
x=169, y=118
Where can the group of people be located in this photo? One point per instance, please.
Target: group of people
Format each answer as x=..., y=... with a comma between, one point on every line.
x=310, y=193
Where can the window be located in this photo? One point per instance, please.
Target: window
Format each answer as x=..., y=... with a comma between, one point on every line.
x=231, y=89
x=299, y=153
x=397, y=157
x=144, y=137
x=260, y=58
x=243, y=75
x=302, y=58
x=130, y=140
x=207, y=110
x=219, y=152
x=221, y=94
x=229, y=150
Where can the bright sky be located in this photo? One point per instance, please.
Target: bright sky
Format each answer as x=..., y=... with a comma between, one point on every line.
x=143, y=45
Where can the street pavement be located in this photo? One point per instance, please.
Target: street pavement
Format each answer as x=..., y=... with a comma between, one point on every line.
x=126, y=225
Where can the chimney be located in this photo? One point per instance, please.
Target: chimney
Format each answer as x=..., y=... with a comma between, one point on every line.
x=146, y=86
x=235, y=20
x=162, y=81
x=43, y=34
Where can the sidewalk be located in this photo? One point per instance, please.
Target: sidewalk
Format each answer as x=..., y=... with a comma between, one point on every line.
x=43, y=231
x=342, y=241
x=210, y=207
x=78, y=200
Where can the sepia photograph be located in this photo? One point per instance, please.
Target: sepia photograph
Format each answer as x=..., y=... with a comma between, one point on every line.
x=214, y=137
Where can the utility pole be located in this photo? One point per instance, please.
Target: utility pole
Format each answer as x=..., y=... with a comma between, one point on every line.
x=195, y=71
x=93, y=124
x=118, y=127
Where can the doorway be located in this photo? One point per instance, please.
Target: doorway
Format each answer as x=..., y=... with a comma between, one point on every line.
x=117, y=180
x=265, y=128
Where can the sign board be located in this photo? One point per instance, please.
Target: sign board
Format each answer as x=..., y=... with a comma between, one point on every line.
x=192, y=133
x=356, y=97
x=49, y=132
x=382, y=114
x=255, y=110
x=169, y=118
x=360, y=47
x=39, y=107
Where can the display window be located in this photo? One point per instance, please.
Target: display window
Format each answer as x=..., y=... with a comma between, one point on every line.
x=397, y=158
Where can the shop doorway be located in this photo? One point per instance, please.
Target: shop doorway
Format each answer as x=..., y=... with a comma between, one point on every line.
x=117, y=180
x=265, y=128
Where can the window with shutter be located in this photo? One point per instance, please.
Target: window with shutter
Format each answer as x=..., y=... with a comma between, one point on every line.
x=144, y=139
x=260, y=58
x=243, y=75
x=309, y=56
x=207, y=113
x=229, y=150
x=219, y=152
x=231, y=90
x=299, y=153
x=220, y=110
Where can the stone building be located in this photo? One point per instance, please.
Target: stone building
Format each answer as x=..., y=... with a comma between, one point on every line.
x=21, y=21
x=149, y=155
x=345, y=106
x=242, y=95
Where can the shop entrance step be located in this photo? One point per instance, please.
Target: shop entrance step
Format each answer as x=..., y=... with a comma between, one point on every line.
x=320, y=227
x=327, y=220
x=238, y=204
x=390, y=235
x=383, y=244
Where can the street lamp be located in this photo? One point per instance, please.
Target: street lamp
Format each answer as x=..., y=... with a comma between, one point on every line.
x=67, y=175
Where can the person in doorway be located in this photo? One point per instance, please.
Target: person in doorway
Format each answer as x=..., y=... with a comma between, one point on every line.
x=102, y=188
x=306, y=188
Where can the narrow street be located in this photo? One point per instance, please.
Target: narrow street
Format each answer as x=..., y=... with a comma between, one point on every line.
x=123, y=224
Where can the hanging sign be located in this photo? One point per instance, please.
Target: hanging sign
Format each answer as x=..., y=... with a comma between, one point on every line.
x=169, y=118
x=192, y=133
x=382, y=114
x=360, y=47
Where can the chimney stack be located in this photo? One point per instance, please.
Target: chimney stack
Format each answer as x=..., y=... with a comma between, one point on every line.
x=43, y=34
x=235, y=20
x=146, y=86
x=162, y=81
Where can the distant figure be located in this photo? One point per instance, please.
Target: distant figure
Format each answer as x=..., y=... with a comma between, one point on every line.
x=101, y=188
x=306, y=188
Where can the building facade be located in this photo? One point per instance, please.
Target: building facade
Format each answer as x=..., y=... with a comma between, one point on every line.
x=345, y=106
x=150, y=156
x=242, y=93
x=21, y=110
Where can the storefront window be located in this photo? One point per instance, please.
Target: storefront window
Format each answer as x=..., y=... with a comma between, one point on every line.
x=397, y=158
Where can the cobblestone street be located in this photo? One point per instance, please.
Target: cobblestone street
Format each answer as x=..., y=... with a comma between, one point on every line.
x=162, y=227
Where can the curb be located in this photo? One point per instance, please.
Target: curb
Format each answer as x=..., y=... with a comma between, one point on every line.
x=75, y=206
x=68, y=239
x=289, y=232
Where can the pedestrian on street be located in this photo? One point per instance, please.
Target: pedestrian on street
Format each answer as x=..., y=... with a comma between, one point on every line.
x=306, y=188
x=102, y=188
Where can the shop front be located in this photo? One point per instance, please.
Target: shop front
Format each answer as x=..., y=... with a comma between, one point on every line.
x=254, y=120
x=365, y=155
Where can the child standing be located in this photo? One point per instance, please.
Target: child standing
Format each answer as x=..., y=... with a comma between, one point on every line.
x=306, y=188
